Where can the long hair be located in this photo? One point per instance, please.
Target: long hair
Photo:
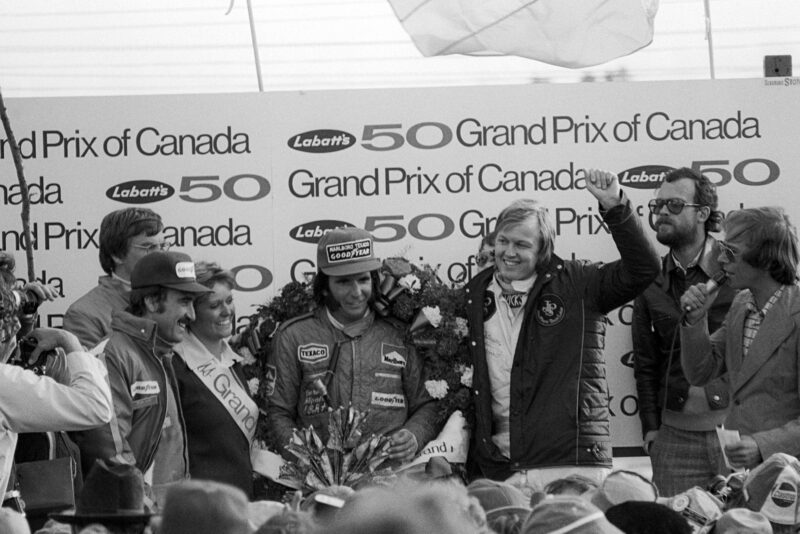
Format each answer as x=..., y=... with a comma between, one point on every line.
x=319, y=288
x=770, y=240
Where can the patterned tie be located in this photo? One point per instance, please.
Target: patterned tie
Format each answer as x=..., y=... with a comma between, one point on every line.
x=514, y=298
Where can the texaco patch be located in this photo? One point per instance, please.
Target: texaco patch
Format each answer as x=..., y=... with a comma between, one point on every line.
x=549, y=310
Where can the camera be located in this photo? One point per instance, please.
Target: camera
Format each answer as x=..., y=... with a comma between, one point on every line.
x=23, y=355
x=27, y=300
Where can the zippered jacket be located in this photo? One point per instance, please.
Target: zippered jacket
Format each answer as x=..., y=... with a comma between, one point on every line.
x=139, y=378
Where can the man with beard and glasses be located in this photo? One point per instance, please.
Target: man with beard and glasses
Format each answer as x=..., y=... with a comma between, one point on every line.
x=679, y=420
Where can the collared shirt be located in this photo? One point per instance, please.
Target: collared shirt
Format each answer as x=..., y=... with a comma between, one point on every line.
x=502, y=331
x=754, y=317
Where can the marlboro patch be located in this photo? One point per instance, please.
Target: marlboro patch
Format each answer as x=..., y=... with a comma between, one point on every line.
x=549, y=310
x=393, y=355
x=312, y=353
x=349, y=250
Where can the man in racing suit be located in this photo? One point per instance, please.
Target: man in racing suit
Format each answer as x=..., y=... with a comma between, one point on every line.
x=342, y=353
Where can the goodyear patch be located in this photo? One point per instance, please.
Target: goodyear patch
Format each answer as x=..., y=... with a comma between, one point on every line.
x=349, y=250
x=549, y=310
x=146, y=387
x=312, y=353
x=389, y=400
x=270, y=376
x=393, y=355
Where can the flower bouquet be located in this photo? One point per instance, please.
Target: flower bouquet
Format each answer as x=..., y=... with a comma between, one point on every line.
x=436, y=325
x=346, y=459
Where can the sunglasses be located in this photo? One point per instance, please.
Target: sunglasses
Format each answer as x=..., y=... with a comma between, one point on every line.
x=728, y=250
x=674, y=205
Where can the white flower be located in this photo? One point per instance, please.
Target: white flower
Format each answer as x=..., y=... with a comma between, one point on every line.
x=247, y=356
x=436, y=388
x=410, y=282
x=252, y=386
x=466, y=376
x=433, y=315
x=461, y=328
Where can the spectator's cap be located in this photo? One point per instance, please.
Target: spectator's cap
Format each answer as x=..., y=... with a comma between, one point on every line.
x=650, y=517
x=13, y=522
x=567, y=514
x=699, y=507
x=772, y=489
x=742, y=521
x=346, y=251
x=110, y=494
x=498, y=498
x=173, y=270
x=622, y=486
x=195, y=506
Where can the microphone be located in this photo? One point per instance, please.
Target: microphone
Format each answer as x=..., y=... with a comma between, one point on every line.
x=716, y=281
x=713, y=284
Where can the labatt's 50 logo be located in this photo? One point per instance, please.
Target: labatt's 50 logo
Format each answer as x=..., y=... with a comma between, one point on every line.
x=644, y=177
x=140, y=192
x=311, y=232
x=319, y=141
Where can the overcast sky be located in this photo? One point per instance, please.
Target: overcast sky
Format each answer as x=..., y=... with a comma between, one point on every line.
x=104, y=47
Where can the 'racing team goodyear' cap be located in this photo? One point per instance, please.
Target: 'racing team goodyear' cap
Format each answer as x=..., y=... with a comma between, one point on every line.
x=346, y=251
x=173, y=270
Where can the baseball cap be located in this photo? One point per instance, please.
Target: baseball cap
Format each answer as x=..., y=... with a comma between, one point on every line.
x=772, y=488
x=346, y=251
x=173, y=270
x=742, y=521
x=622, y=486
x=698, y=506
x=567, y=513
x=498, y=498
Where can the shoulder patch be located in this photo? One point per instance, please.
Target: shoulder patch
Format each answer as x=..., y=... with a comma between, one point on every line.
x=312, y=353
x=270, y=377
x=549, y=310
x=489, y=305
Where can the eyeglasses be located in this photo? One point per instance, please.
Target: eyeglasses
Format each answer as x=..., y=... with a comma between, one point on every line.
x=674, y=205
x=152, y=247
x=728, y=250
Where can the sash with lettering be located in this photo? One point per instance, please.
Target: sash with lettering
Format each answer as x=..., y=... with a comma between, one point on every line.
x=221, y=381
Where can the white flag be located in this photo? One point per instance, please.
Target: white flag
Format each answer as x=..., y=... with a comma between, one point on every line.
x=567, y=33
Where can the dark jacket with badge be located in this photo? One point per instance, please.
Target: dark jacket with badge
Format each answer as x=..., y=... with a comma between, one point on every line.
x=372, y=369
x=139, y=373
x=559, y=412
x=656, y=318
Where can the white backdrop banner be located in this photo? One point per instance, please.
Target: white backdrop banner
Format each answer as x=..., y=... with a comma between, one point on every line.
x=253, y=180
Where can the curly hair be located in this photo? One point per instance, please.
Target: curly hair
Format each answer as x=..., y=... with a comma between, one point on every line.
x=705, y=194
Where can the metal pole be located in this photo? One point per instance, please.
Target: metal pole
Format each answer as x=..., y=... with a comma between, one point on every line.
x=255, y=46
x=708, y=37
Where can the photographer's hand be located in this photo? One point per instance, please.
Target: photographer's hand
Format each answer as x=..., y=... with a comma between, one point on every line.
x=53, y=338
x=42, y=291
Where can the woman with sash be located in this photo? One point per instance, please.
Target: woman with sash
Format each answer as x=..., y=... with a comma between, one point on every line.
x=219, y=414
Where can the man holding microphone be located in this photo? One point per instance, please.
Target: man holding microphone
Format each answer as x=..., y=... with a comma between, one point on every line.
x=758, y=345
